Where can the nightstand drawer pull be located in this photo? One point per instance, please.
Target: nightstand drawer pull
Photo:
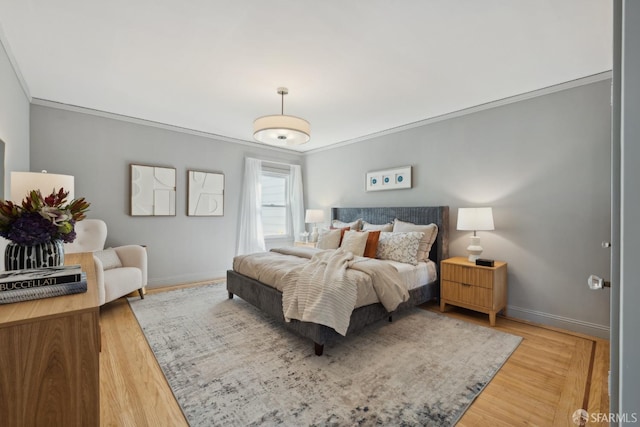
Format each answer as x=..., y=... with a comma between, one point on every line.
x=459, y=292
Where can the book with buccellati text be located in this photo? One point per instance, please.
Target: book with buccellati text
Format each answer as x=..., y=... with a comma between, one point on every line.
x=27, y=294
x=34, y=278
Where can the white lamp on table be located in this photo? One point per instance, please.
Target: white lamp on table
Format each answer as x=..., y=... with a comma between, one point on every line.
x=22, y=183
x=475, y=219
x=314, y=216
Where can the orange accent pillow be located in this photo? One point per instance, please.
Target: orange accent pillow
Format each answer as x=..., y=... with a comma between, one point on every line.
x=372, y=243
x=342, y=231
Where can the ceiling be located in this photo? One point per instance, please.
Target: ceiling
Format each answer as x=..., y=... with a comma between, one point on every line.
x=353, y=68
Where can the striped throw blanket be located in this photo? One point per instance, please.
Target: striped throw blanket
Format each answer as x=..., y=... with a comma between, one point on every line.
x=322, y=292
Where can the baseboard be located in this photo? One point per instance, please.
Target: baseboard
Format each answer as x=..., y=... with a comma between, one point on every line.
x=185, y=278
x=539, y=317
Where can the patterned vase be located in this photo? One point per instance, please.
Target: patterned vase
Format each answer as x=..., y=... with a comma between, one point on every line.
x=49, y=254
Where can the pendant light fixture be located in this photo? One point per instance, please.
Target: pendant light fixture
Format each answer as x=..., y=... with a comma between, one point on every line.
x=281, y=129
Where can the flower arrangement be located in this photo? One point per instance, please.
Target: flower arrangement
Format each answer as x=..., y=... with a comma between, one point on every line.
x=41, y=219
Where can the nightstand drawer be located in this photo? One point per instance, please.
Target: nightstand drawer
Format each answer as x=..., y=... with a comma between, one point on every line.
x=305, y=244
x=467, y=294
x=475, y=276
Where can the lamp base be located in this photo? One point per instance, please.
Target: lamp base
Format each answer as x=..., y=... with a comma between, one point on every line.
x=313, y=238
x=474, y=249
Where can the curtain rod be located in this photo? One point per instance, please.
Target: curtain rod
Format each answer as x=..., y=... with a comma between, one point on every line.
x=276, y=163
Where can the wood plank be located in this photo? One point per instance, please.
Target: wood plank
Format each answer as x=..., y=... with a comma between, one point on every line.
x=598, y=387
x=133, y=389
x=573, y=393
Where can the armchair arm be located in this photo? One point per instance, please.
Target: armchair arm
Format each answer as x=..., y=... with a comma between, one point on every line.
x=99, y=278
x=134, y=256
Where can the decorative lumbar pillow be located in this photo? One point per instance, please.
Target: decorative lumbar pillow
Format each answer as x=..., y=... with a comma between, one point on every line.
x=430, y=233
x=329, y=239
x=355, y=242
x=109, y=258
x=401, y=247
x=371, y=248
x=382, y=227
x=354, y=225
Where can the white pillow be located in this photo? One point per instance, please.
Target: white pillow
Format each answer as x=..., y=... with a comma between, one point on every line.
x=430, y=233
x=355, y=242
x=354, y=225
x=329, y=239
x=382, y=227
x=401, y=247
x=109, y=258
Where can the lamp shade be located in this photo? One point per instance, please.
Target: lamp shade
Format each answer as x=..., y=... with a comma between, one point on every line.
x=281, y=130
x=474, y=219
x=22, y=183
x=314, y=216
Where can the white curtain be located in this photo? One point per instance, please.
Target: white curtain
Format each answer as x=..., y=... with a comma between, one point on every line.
x=296, y=202
x=251, y=236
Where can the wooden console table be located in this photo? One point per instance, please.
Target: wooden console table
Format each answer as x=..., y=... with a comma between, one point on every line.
x=49, y=357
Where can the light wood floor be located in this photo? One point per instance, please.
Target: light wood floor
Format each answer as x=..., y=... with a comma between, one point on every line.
x=550, y=375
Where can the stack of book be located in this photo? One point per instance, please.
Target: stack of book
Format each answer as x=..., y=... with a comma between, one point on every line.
x=36, y=283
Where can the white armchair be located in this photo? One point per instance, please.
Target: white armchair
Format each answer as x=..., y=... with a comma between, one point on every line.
x=120, y=270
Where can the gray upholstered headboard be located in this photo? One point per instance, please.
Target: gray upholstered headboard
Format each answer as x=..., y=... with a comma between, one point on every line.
x=438, y=215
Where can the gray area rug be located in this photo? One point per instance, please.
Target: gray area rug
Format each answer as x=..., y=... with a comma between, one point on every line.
x=230, y=364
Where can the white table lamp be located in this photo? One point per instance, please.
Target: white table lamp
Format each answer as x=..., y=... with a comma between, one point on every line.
x=475, y=219
x=314, y=216
x=22, y=183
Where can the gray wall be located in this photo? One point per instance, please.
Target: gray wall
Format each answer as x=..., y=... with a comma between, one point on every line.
x=543, y=164
x=14, y=128
x=98, y=151
x=14, y=121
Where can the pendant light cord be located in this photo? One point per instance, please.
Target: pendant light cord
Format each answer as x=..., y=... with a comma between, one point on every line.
x=282, y=91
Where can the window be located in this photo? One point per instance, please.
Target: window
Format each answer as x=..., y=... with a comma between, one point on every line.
x=274, y=204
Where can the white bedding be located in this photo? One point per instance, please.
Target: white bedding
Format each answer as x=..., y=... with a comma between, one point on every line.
x=413, y=276
x=270, y=267
x=416, y=275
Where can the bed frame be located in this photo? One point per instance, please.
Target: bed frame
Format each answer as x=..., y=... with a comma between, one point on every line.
x=269, y=299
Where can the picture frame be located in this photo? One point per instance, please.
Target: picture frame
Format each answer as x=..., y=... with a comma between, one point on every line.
x=205, y=193
x=153, y=190
x=389, y=179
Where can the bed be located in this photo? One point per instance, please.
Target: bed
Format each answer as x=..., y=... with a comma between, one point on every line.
x=269, y=299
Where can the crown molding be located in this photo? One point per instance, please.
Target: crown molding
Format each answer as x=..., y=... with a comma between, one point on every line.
x=159, y=125
x=486, y=106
